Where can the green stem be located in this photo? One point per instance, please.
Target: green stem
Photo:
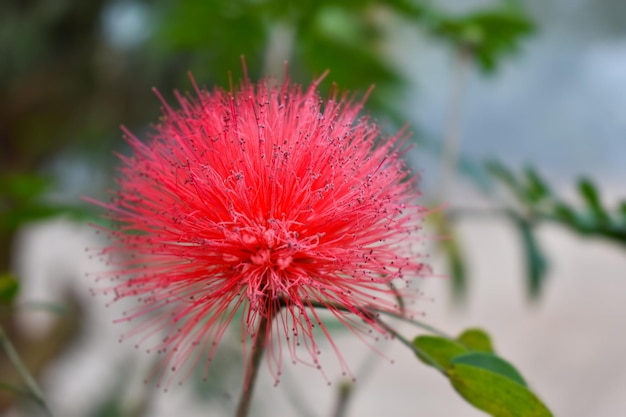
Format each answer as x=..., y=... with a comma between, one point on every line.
x=417, y=323
x=15, y=359
x=393, y=332
x=406, y=342
x=371, y=310
x=253, y=370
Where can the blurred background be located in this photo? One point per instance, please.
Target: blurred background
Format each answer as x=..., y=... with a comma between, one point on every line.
x=516, y=109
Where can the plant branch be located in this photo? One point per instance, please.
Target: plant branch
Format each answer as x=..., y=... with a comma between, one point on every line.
x=370, y=310
x=406, y=342
x=251, y=373
x=372, y=313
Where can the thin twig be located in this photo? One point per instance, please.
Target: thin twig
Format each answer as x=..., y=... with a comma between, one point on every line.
x=414, y=322
x=15, y=359
x=370, y=311
x=410, y=345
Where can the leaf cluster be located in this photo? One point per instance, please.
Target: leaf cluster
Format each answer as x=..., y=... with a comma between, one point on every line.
x=479, y=375
x=591, y=217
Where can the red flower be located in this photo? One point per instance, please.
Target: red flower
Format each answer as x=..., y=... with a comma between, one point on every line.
x=267, y=201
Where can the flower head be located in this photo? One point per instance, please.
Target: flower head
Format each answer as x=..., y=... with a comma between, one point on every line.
x=269, y=202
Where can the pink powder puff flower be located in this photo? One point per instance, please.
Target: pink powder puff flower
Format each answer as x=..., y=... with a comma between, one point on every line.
x=268, y=201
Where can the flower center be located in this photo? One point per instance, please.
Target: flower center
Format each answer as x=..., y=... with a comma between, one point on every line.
x=261, y=247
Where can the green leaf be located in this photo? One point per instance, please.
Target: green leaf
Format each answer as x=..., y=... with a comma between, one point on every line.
x=487, y=34
x=491, y=363
x=501, y=32
x=530, y=190
x=485, y=380
x=438, y=350
x=591, y=196
x=497, y=395
x=567, y=215
x=536, y=190
x=409, y=9
x=206, y=37
x=476, y=340
x=9, y=288
x=350, y=56
x=536, y=262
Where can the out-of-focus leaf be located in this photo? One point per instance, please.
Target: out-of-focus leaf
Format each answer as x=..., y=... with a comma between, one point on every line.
x=494, y=393
x=491, y=363
x=498, y=33
x=591, y=196
x=9, y=288
x=409, y=9
x=347, y=49
x=476, y=340
x=488, y=35
x=540, y=204
x=438, y=349
x=536, y=188
x=536, y=262
x=23, y=187
x=530, y=189
x=567, y=215
x=208, y=37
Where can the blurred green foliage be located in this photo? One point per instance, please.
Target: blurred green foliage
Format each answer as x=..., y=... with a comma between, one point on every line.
x=534, y=203
x=487, y=35
x=9, y=287
x=537, y=202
